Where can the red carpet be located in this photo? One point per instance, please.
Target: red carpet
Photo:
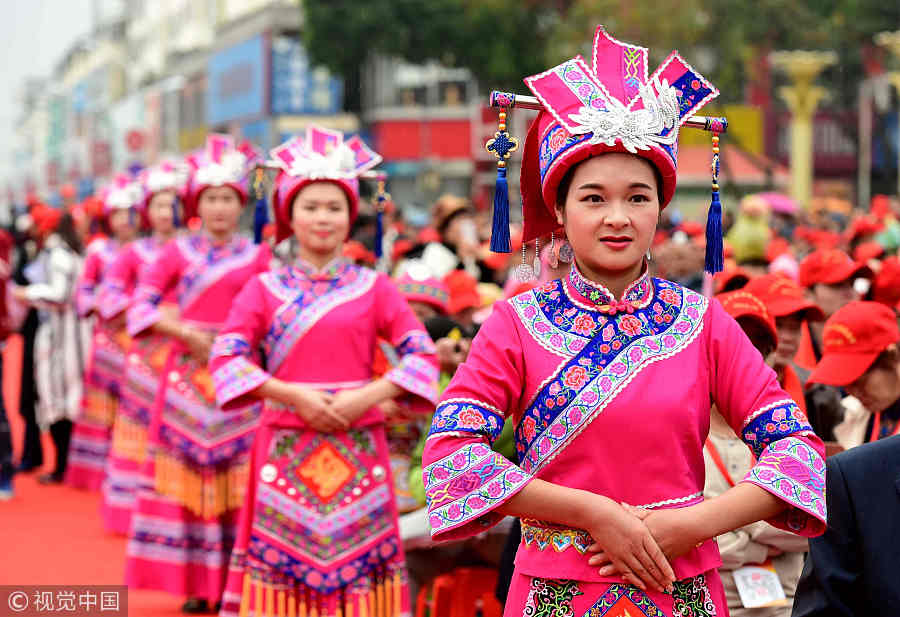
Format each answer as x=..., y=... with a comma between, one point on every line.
x=53, y=535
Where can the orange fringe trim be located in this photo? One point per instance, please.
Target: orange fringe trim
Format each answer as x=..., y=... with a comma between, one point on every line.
x=261, y=599
x=208, y=493
x=98, y=406
x=129, y=440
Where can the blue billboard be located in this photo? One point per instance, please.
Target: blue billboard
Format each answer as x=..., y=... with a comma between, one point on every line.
x=237, y=82
x=297, y=87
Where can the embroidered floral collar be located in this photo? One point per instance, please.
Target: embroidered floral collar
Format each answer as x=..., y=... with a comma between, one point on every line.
x=332, y=270
x=636, y=295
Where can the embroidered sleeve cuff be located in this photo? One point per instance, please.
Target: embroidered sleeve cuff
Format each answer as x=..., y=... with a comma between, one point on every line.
x=111, y=302
x=84, y=301
x=794, y=471
x=416, y=375
x=464, y=489
x=415, y=341
x=142, y=316
x=467, y=416
x=773, y=422
x=235, y=378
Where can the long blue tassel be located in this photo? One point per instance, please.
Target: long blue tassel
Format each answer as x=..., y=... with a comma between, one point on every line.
x=379, y=230
x=714, y=261
x=260, y=217
x=176, y=220
x=500, y=242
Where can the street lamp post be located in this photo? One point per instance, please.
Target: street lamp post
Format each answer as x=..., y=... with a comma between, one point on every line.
x=891, y=42
x=802, y=98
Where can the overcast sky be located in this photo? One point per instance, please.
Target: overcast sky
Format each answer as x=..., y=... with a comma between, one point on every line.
x=35, y=34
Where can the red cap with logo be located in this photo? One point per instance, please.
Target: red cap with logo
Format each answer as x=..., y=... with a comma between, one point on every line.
x=886, y=286
x=830, y=266
x=783, y=297
x=741, y=304
x=853, y=339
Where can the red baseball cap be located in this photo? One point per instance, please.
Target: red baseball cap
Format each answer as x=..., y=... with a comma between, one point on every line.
x=868, y=250
x=830, y=266
x=783, y=297
x=463, y=288
x=853, y=339
x=730, y=279
x=886, y=286
x=741, y=304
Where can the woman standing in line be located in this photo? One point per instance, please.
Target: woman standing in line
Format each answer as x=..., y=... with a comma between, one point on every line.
x=103, y=378
x=62, y=339
x=185, y=519
x=318, y=532
x=609, y=373
x=161, y=213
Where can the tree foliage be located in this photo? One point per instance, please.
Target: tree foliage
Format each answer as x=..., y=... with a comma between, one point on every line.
x=502, y=41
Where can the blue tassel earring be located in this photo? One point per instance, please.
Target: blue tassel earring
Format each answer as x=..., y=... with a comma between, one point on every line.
x=381, y=198
x=176, y=219
x=714, y=259
x=261, y=212
x=502, y=146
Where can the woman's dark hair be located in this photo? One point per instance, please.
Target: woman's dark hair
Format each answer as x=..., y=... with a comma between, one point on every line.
x=562, y=191
x=66, y=231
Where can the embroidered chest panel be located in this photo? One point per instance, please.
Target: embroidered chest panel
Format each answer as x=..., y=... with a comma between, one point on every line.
x=603, y=352
x=208, y=263
x=305, y=301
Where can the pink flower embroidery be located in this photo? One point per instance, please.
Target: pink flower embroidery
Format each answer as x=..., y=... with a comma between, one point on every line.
x=575, y=377
x=441, y=473
x=494, y=489
x=630, y=324
x=608, y=332
x=583, y=324
x=669, y=295
x=682, y=327
x=578, y=345
x=514, y=477
x=477, y=503
x=778, y=415
x=693, y=313
x=618, y=368
x=454, y=512
x=435, y=522
x=530, y=311
x=604, y=348
x=528, y=426
x=635, y=354
x=541, y=327
x=555, y=388
x=557, y=140
x=605, y=384
x=464, y=484
x=557, y=430
x=669, y=341
x=574, y=416
x=617, y=345
x=589, y=397
x=556, y=340
x=470, y=418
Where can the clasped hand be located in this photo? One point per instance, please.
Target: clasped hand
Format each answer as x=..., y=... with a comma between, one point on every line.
x=638, y=544
x=325, y=412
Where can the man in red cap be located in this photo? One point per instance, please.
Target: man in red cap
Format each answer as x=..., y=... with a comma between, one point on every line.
x=792, y=310
x=886, y=286
x=862, y=355
x=727, y=460
x=829, y=275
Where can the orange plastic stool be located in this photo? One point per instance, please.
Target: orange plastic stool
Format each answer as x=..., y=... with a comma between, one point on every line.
x=465, y=592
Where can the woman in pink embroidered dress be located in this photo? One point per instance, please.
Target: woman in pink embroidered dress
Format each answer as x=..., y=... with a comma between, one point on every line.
x=148, y=353
x=609, y=373
x=185, y=518
x=318, y=532
x=92, y=433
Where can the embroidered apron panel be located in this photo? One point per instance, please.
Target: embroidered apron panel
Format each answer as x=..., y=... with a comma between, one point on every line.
x=191, y=422
x=324, y=511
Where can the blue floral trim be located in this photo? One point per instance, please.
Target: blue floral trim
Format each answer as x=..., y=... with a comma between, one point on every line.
x=793, y=471
x=621, y=347
x=229, y=344
x=466, y=486
x=773, y=422
x=415, y=341
x=467, y=416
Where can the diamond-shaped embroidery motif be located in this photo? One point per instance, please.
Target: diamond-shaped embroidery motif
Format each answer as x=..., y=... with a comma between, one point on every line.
x=325, y=471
